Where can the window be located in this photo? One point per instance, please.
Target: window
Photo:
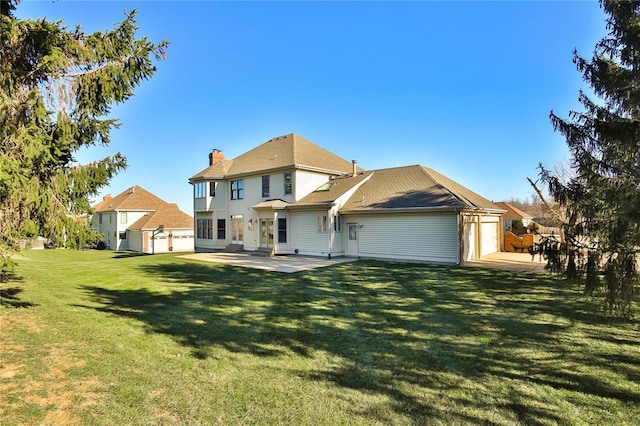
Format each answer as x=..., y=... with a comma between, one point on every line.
x=199, y=190
x=222, y=231
x=237, y=189
x=265, y=186
x=288, y=184
x=282, y=230
x=337, y=223
x=100, y=218
x=123, y=236
x=123, y=217
x=212, y=188
x=204, y=229
x=322, y=223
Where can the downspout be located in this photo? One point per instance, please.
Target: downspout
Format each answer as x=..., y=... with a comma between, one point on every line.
x=460, y=237
x=330, y=233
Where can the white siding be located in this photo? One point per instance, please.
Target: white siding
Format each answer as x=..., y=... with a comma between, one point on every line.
x=132, y=217
x=470, y=237
x=135, y=240
x=413, y=237
x=305, y=183
x=215, y=243
x=304, y=235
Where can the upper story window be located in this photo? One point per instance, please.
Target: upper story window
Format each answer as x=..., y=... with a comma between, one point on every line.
x=265, y=186
x=288, y=184
x=237, y=189
x=212, y=188
x=200, y=190
x=123, y=217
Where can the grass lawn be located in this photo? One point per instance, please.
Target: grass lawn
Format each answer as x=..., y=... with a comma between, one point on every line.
x=102, y=337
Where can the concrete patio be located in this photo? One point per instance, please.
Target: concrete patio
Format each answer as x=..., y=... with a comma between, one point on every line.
x=296, y=263
x=287, y=264
x=511, y=261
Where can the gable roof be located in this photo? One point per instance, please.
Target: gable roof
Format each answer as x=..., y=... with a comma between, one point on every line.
x=282, y=152
x=168, y=215
x=414, y=187
x=134, y=198
x=513, y=212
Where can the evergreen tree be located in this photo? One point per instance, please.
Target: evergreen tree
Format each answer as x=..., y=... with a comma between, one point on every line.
x=602, y=197
x=57, y=87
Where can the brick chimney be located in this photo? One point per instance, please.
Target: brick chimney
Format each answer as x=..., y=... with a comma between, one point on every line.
x=215, y=156
x=107, y=197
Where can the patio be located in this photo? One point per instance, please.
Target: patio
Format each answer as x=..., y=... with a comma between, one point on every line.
x=296, y=263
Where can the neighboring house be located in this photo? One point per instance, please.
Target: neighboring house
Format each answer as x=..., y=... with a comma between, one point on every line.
x=290, y=196
x=132, y=221
x=513, y=213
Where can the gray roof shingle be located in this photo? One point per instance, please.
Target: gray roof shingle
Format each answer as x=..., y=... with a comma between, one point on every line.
x=414, y=187
x=283, y=152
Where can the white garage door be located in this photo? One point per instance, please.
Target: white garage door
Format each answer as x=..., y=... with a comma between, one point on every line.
x=489, y=243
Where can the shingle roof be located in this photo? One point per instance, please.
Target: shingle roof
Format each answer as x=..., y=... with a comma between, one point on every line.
x=134, y=198
x=513, y=212
x=217, y=171
x=414, y=187
x=168, y=215
x=282, y=152
x=333, y=189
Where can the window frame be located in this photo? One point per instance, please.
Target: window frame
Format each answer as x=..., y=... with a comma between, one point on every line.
x=221, y=229
x=282, y=230
x=322, y=223
x=204, y=229
x=265, y=186
x=288, y=183
x=199, y=190
x=237, y=189
x=337, y=223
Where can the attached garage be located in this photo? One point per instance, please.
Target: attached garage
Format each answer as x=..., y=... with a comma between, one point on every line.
x=166, y=230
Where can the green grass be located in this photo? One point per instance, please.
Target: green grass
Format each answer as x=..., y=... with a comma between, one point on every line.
x=114, y=338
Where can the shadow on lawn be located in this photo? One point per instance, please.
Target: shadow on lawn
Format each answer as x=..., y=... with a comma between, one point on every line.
x=9, y=296
x=398, y=330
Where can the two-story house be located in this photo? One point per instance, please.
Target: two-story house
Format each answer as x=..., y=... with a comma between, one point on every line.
x=138, y=220
x=290, y=196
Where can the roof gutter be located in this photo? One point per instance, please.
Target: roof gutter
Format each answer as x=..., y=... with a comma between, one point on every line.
x=403, y=210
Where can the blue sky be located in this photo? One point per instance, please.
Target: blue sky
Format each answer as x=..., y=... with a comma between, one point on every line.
x=463, y=87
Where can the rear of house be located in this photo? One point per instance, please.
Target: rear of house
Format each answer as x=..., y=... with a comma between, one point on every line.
x=289, y=196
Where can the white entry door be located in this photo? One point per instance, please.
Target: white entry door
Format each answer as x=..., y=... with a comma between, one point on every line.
x=352, y=239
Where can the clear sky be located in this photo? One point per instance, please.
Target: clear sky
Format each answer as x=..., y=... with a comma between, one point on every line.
x=463, y=87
